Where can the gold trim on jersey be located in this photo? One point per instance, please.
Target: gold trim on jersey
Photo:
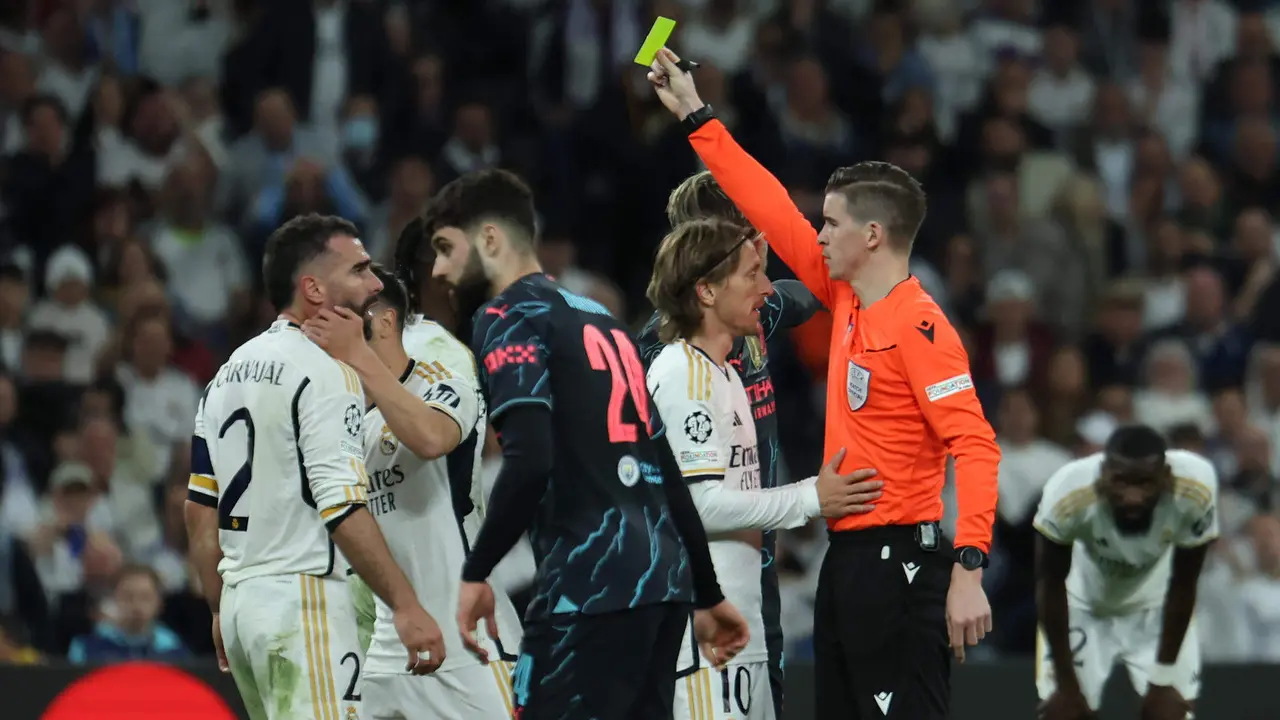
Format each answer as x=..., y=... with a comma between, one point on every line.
x=1073, y=503
x=350, y=379
x=1193, y=490
x=502, y=675
x=433, y=372
x=315, y=626
x=702, y=471
x=699, y=373
x=202, y=482
x=698, y=685
x=358, y=468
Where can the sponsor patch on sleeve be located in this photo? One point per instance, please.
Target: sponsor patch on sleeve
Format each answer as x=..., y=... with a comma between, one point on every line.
x=948, y=387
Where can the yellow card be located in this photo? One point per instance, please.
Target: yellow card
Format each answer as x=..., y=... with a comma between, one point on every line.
x=658, y=36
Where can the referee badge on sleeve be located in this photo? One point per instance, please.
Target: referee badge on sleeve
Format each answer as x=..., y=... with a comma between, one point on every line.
x=857, y=384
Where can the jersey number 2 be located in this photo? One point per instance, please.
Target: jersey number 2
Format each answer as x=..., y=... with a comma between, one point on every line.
x=626, y=373
x=240, y=482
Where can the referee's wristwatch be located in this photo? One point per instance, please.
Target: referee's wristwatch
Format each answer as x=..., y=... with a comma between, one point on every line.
x=971, y=558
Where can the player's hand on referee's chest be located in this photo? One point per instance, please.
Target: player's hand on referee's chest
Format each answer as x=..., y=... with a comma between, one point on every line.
x=849, y=494
x=968, y=612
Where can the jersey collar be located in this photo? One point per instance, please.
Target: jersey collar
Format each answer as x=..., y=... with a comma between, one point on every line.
x=404, y=377
x=906, y=289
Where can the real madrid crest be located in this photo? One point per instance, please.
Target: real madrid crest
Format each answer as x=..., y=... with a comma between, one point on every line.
x=387, y=441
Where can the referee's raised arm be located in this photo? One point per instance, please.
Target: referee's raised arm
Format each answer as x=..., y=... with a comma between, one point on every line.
x=895, y=598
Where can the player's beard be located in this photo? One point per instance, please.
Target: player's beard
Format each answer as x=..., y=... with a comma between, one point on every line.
x=472, y=289
x=362, y=309
x=1135, y=521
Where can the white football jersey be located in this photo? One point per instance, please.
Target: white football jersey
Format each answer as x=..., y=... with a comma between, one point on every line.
x=277, y=449
x=1113, y=573
x=712, y=434
x=419, y=504
x=428, y=341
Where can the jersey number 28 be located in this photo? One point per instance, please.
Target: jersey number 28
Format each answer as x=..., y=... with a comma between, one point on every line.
x=227, y=519
x=626, y=374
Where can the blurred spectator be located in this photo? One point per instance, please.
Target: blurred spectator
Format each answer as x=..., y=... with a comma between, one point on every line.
x=15, y=294
x=1203, y=33
x=1040, y=249
x=68, y=73
x=175, y=41
x=1169, y=395
x=262, y=158
x=17, y=85
x=1219, y=346
x=1013, y=349
x=71, y=313
x=204, y=253
x=131, y=631
x=161, y=400
x=1061, y=92
x=1065, y=399
x=720, y=34
x=1163, y=101
x=1260, y=593
x=1114, y=349
x=74, y=531
x=49, y=181
x=410, y=187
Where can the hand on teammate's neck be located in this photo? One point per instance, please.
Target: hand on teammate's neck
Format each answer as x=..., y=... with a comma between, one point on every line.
x=878, y=277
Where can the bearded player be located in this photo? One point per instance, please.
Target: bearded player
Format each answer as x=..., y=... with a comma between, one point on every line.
x=1123, y=535
x=424, y=413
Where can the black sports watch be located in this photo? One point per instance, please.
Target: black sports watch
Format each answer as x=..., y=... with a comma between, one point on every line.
x=971, y=558
x=697, y=119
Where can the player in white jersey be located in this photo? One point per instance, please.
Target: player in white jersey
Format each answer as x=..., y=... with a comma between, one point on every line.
x=420, y=437
x=708, y=285
x=1122, y=538
x=278, y=480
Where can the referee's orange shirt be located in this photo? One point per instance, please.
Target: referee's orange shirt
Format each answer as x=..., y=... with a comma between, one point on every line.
x=899, y=394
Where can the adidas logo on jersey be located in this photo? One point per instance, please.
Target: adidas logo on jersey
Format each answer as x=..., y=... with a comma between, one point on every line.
x=737, y=421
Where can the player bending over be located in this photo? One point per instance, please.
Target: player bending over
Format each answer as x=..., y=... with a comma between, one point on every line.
x=278, y=479
x=614, y=531
x=709, y=285
x=789, y=305
x=420, y=412
x=1123, y=535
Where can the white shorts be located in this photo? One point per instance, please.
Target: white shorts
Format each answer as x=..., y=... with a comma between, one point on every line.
x=1100, y=643
x=739, y=692
x=476, y=692
x=291, y=643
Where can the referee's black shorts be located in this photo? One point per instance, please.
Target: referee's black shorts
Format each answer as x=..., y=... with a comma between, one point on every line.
x=613, y=666
x=880, y=625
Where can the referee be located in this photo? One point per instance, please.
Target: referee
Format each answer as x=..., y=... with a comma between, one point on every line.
x=895, y=598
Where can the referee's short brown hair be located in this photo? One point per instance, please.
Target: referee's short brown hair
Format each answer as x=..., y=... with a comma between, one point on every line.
x=884, y=193
x=699, y=197
x=700, y=251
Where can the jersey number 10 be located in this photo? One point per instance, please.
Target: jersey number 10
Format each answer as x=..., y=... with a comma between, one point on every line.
x=626, y=374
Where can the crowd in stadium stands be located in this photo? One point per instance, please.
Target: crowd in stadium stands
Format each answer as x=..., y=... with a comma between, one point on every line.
x=1102, y=179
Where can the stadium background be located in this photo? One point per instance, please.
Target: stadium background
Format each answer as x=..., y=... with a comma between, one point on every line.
x=1102, y=177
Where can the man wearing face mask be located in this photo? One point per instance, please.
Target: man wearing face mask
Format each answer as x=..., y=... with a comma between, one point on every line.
x=1123, y=535
x=361, y=134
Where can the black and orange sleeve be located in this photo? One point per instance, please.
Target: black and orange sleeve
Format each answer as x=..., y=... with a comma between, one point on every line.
x=767, y=205
x=938, y=370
